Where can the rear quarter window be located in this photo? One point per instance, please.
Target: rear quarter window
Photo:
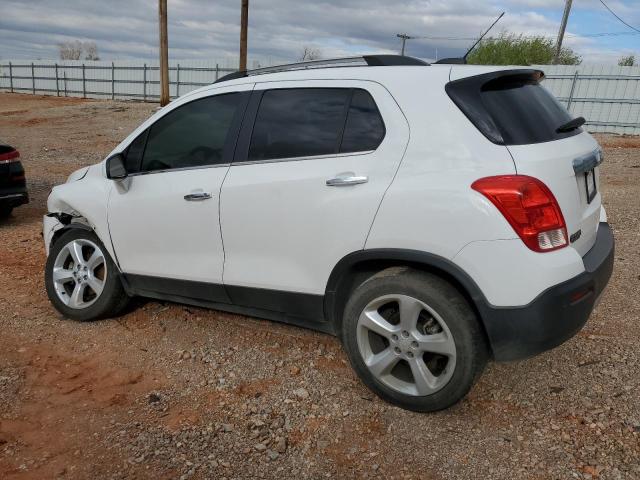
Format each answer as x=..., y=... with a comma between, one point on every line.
x=511, y=108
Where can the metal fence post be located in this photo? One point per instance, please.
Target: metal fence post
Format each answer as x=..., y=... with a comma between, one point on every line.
x=65, y=82
x=217, y=71
x=144, y=82
x=84, y=83
x=33, y=80
x=113, y=83
x=573, y=87
x=178, y=81
x=57, y=87
x=11, y=76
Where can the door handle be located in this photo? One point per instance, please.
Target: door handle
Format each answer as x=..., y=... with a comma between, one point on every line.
x=346, y=181
x=197, y=196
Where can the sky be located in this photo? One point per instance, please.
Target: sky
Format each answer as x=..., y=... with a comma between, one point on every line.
x=280, y=29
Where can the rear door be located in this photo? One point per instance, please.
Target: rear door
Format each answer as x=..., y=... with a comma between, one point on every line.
x=313, y=162
x=512, y=108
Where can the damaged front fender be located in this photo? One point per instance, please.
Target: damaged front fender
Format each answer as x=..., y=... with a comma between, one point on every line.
x=79, y=204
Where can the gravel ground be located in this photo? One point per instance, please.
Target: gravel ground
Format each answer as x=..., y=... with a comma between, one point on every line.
x=168, y=391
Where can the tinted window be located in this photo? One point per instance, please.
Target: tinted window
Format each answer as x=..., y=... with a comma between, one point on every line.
x=298, y=123
x=511, y=110
x=193, y=135
x=364, y=129
x=133, y=156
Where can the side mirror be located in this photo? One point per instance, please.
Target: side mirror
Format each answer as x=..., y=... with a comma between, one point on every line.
x=115, y=167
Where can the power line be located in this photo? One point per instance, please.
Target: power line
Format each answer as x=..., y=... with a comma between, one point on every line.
x=589, y=35
x=615, y=15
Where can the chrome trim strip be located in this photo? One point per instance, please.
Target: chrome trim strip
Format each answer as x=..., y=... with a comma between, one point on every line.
x=588, y=162
x=297, y=159
x=166, y=170
x=12, y=195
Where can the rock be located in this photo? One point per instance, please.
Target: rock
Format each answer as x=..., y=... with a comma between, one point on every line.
x=277, y=423
x=153, y=398
x=280, y=445
x=272, y=455
x=261, y=447
x=301, y=393
x=322, y=444
x=294, y=370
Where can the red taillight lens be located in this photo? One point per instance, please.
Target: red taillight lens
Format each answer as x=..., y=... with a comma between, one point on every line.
x=9, y=156
x=530, y=208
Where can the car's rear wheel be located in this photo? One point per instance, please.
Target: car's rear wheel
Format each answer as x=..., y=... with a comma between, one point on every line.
x=81, y=280
x=413, y=339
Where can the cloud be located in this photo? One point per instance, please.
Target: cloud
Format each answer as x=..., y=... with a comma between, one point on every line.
x=278, y=29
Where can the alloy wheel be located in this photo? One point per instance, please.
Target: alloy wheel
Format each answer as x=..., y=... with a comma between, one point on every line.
x=79, y=273
x=406, y=345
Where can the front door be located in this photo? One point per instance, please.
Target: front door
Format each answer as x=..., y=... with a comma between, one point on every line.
x=163, y=218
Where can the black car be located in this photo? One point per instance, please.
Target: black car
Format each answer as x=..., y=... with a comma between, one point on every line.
x=13, y=186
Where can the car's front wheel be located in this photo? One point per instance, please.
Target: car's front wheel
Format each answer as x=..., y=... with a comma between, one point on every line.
x=413, y=339
x=81, y=279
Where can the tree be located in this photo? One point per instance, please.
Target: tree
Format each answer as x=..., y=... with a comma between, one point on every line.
x=512, y=49
x=90, y=51
x=628, y=61
x=310, y=53
x=70, y=50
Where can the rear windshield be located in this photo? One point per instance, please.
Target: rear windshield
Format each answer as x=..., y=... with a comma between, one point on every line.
x=511, y=108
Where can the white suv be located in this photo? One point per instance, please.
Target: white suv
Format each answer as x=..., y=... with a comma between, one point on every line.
x=431, y=216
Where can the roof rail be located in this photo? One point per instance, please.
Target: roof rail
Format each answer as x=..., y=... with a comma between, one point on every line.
x=365, y=60
x=453, y=61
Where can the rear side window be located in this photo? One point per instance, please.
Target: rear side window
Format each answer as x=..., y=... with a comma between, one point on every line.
x=511, y=108
x=192, y=135
x=298, y=123
x=304, y=122
x=364, y=129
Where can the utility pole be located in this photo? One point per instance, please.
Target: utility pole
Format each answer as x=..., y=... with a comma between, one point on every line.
x=164, y=54
x=404, y=38
x=244, y=23
x=563, y=26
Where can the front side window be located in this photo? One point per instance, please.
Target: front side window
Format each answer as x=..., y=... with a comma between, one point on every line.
x=133, y=155
x=192, y=135
x=298, y=123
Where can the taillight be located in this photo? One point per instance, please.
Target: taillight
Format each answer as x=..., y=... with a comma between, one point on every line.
x=530, y=208
x=9, y=156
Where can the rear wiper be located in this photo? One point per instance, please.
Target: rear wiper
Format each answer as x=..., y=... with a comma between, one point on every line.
x=571, y=125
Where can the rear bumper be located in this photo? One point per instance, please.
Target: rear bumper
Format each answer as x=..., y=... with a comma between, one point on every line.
x=555, y=315
x=13, y=197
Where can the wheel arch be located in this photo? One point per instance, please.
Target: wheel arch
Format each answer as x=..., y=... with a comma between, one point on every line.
x=70, y=226
x=356, y=267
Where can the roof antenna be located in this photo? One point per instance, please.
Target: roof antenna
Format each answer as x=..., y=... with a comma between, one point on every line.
x=463, y=60
x=481, y=37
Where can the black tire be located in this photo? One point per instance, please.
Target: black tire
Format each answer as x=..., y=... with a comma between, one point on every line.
x=5, y=211
x=471, y=351
x=111, y=301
